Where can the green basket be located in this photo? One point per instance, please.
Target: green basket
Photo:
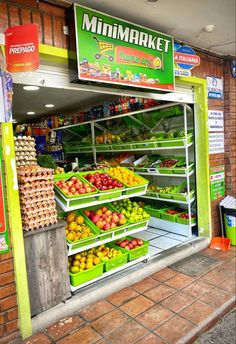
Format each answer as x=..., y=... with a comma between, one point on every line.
x=169, y=217
x=105, y=194
x=146, y=144
x=137, y=252
x=186, y=221
x=78, y=199
x=137, y=188
x=108, y=233
x=180, y=141
x=155, y=212
x=104, y=147
x=86, y=275
x=183, y=170
x=115, y=262
x=135, y=224
x=183, y=196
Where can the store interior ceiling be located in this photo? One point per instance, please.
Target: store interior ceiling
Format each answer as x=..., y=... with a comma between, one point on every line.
x=189, y=21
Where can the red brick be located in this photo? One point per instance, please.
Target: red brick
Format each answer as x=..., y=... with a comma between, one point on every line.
x=12, y=326
x=37, y=19
x=39, y=338
x=47, y=32
x=14, y=16
x=8, y=290
x=25, y=16
x=12, y=314
x=6, y=266
x=2, y=319
x=10, y=338
x=8, y=255
x=3, y=17
x=8, y=303
x=6, y=278
x=30, y=3
x=51, y=10
x=57, y=32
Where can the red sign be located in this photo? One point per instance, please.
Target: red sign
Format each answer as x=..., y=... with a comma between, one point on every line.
x=22, y=53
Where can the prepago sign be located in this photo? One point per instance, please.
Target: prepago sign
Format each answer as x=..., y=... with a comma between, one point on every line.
x=22, y=53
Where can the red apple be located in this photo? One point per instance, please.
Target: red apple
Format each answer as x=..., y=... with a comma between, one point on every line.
x=87, y=213
x=123, y=244
x=127, y=247
x=140, y=242
x=106, y=226
x=131, y=246
x=113, y=225
x=95, y=218
x=82, y=191
x=100, y=224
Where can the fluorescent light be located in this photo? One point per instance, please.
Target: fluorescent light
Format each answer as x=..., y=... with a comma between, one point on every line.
x=49, y=105
x=30, y=113
x=31, y=88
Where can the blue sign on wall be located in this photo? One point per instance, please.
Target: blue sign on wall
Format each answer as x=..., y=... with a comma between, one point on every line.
x=215, y=88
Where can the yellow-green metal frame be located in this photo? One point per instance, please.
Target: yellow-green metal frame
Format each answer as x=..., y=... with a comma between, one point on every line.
x=15, y=225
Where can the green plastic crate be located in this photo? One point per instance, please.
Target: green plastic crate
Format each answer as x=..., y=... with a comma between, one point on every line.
x=86, y=275
x=186, y=221
x=115, y=262
x=173, y=142
x=183, y=170
x=105, y=194
x=155, y=212
x=137, y=252
x=108, y=233
x=169, y=217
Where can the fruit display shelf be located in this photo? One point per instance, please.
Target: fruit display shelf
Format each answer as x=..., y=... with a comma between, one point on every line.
x=111, y=272
x=171, y=200
x=172, y=227
x=172, y=175
x=127, y=230
x=132, y=146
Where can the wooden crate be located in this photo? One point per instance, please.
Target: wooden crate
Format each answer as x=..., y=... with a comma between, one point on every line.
x=46, y=261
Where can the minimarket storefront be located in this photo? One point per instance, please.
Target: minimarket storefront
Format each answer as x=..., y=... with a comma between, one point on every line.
x=190, y=92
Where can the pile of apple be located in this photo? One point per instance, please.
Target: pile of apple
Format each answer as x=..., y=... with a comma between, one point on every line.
x=102, y=181
x=74, y=187
x=130, y=244
x=105, y=218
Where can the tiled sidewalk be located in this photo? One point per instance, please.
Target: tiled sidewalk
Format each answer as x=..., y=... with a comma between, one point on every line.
x=167, y=307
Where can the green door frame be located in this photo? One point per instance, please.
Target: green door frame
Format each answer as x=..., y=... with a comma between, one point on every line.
x=202, y=177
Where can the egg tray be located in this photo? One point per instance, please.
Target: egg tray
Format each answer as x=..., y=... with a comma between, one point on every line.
x=39, y=224
x=41, y=215
x=36, y=207
x=41, y=198
x=36, y=186
x=23, y=180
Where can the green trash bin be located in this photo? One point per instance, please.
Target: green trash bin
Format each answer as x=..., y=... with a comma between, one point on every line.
x=230, y=225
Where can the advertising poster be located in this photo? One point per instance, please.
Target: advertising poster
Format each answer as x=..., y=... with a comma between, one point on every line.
x=6, y=91
x=4, y=234
x=215, y=120
x=185, y=59
x=114, y=51
x=217, y=182
x=216, y=143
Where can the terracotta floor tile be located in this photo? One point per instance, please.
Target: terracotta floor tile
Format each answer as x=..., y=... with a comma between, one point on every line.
x=129, y=333
x=101, y=341
x=227, y=255
x=85, y=335
x=214, y=277
x=216, y=297
x=144, y=285
x=64, y=326
x=160, y=292
x=109, y=322
x=39, y=338
x=197, y=312
x=150, y=339
x=154, y=317
x=122, y=296
x=228, y=266
x=95, y=310
x=210, y=252
x=197, y=288
x=137, y=306
x=178, y=301
x=230, y=286
x=164, y=275
x=174, y=329
x=179, y=281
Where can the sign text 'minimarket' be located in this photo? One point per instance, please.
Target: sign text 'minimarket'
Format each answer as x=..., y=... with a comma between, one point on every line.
x=116, y=31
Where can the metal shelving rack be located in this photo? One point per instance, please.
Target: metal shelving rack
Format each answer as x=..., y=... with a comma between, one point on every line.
x=159, y=223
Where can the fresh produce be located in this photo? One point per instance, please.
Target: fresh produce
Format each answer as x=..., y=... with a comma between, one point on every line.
x=103, y=181
x=130, y=244
x=76, y=229
x=131, y=210
x=125, y=176
x=162, y=189
x=186, y=216
x=74, y=187
x=105, y=219
x=88, y=259
x=173, y=211
x=46, y=161
x=59, y=170
x=168, y=163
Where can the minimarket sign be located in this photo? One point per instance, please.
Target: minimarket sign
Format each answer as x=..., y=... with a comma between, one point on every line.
x=111, y=50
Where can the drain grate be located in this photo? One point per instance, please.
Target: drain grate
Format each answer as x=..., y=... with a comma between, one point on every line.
x=194, y=265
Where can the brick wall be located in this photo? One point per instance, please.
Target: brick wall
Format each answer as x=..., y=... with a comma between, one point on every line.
x=8, y=300
x=230, y=129
x=49, y=18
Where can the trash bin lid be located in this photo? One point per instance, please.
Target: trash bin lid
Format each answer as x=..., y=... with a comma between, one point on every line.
x=228, y=202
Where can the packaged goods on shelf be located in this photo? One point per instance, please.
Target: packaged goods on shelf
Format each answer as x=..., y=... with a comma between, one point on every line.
x=38, y=208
